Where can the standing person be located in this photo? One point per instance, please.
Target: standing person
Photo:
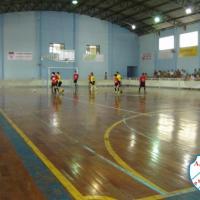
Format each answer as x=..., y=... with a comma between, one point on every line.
x=54, y=82
x=89, y=77
x=92, y=81
x=116, y=83
x=75, y=77
x=105, y=76
x=142, y=82
x=59, y=82
x=52, y=77
x=119, y=78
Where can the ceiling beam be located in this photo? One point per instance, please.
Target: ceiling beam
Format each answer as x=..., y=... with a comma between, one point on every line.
x=166, y=12
x=129, y=5
x=113, y=4
x=93, y=7
x=178, y=18
x=130, y=16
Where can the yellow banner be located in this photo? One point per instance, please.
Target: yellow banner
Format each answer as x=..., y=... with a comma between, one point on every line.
x=188, y=51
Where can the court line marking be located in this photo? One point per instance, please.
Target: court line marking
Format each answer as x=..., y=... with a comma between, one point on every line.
x=67, y=184
x=148, y=114
x=122, y=163
x=118, y=167
x=90, y=150
x=163, y=193
x=102, y=197
x=105, y=106
x=63, y=180
x=121, y=109
x=170, y=194
x=98, y=198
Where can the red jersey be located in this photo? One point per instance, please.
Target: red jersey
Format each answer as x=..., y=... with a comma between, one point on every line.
x=54, y=80
x=76, y=76
x=115, y=79
x=142, y=79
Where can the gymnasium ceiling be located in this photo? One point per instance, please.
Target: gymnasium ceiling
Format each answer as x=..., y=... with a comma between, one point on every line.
x=121, y=12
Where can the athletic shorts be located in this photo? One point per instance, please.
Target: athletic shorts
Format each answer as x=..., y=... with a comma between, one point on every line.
x=75, y=81
x=92, y=82
x=116, y=84
x=142, y=84
x=59, y=83
x=53, y=84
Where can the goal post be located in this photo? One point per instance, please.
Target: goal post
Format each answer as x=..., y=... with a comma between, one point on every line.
x=65, y=61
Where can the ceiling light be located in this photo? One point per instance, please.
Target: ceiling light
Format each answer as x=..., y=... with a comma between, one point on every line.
x=74, y=2
x=156, y=19
x=188, y=10
x=133, y=26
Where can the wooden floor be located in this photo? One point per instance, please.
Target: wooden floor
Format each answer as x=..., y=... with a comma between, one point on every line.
x=104, y=146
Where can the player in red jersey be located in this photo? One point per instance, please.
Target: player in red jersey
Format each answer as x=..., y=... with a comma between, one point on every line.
x=142, y=82
x=54, y=82
x=75, y=77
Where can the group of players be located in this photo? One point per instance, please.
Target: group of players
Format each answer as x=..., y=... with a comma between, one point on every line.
x=118, y=79
x=56, y=82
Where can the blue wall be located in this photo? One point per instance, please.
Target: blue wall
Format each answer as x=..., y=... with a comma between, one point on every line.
x=19, y=34
x=124, y=49
x=33, y=31
x=149, y=44
x=91, y=31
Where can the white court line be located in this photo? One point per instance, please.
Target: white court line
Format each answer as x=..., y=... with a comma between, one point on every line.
x=105, y=106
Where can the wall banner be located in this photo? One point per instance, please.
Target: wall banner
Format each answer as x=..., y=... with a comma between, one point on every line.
x=146, y=56
x=12, y=55
x=188, y=51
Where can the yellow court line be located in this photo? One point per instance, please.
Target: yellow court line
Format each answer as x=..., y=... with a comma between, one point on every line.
x=154, y=197
x=98, y=198
x=63, y=180
x=121, y=162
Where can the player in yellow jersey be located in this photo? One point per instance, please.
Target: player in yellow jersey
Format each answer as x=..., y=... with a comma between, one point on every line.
x=119, y=79
x=92, y=81
x=59, y=83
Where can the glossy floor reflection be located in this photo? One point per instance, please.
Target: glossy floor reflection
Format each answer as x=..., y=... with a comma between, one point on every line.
x=127, y=146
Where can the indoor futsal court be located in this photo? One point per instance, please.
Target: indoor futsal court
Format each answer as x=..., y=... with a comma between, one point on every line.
x=99, y=145
x=99, y=100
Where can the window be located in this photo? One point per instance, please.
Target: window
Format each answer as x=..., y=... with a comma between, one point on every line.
x=166, y=43
x=56, y=47
x=92, y=49
x=189, y=39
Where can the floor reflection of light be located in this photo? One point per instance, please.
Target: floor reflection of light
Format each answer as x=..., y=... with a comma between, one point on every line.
x=55, y=120
x=187, y=132
x=186, y=163
x=165, y=127
x=75, y=167
x=155, y=151
x=94, y=188
x=132, y=141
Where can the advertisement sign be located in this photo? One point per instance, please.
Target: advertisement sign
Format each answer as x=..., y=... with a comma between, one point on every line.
x=12, y=55
x=188, y=51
